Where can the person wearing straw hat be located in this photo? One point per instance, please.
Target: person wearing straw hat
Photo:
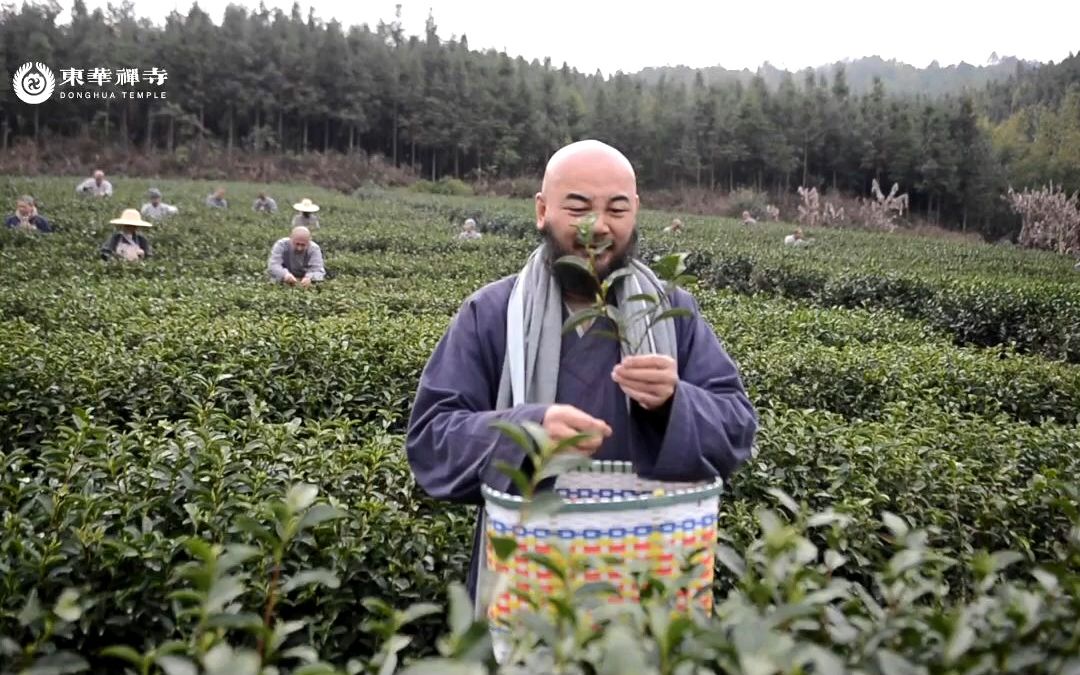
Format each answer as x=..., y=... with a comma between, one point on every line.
x=26, y=217
x=128, y=244
x=155, y=209
x=675, y=407
x=306, y=216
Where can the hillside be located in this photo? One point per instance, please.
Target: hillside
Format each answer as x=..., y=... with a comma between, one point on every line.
x=898, y=78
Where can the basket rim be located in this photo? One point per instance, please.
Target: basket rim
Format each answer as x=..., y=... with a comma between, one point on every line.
x=697, y=492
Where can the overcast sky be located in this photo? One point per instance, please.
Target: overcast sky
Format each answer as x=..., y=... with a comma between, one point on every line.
x=606, y=35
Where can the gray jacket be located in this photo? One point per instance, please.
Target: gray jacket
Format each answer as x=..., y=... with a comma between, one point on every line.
x=283, y=258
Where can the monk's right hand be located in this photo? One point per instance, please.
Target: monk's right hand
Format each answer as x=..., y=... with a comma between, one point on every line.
x=289, y=278
x=564, y=421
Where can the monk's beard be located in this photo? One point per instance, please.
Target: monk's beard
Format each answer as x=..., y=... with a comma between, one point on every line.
x=576, y=282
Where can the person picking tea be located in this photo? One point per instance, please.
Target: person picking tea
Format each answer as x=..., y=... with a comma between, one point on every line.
x=676, y=408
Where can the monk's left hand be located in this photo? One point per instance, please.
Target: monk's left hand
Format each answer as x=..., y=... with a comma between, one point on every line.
x=649, y=379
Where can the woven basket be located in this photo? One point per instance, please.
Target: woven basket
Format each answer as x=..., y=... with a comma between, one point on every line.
x=608, y=512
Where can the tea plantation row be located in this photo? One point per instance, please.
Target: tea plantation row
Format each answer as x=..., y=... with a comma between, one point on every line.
x=144, y=406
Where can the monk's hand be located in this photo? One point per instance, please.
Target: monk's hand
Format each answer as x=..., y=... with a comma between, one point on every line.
x=289, y=278
x=565, y=421
x=305, y=282
x=649, y=379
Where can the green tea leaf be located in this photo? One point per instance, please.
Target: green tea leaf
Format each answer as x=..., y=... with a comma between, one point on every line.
x=566, y=461
x=504, y=546
x=545, y=504
x=124, y=653
x=785, y=501
x=301, y=496
x=515, y=433
x=419, y=611
x=320, y=513
x=320, y=576
x=67, y=605
x=176, y=665
x=59, y=663
x=31, y=610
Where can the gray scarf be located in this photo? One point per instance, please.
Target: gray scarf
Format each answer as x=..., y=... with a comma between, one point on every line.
x=534, y=322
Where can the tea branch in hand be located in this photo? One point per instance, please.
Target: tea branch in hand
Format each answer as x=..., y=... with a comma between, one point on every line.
x=670, y=269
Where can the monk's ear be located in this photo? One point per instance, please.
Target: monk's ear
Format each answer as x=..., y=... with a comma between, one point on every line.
x=541, y=210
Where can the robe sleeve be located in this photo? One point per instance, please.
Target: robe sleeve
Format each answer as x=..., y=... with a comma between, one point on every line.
x=109, y=247
x=316, y=271
x=707, y=428
x=450, y=445
x=275, y=264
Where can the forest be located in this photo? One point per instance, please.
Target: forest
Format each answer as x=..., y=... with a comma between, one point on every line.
x=269, y=81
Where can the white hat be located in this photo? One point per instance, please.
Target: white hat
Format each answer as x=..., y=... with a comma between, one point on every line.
x=306, y=206
x=130, y=217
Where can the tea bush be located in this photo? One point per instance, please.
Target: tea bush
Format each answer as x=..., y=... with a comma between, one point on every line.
x=165, y=429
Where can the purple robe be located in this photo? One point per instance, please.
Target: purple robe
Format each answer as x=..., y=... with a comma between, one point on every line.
x=705, y=430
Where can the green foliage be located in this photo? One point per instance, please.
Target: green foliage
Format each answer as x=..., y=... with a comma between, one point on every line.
x=202, y=472
x=444, y=186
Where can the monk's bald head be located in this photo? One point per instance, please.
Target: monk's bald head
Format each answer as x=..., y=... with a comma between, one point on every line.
x=583, y=178
x=590, y=156
x=300, y=237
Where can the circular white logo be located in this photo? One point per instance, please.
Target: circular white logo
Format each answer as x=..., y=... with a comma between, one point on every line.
x=33, y=83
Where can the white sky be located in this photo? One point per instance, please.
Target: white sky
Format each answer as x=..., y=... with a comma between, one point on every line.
x=608, y=35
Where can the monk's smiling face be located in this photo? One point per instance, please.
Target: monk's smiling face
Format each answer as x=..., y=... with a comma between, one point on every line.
x=583, y=178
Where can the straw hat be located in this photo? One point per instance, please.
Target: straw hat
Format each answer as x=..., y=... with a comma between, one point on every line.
x=306, y=206
x=130, y=217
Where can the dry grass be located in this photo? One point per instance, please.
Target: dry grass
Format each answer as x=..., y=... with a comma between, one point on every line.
x=334, y=171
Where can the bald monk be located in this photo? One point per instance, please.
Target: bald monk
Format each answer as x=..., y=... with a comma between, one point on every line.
x=296, y=260
x=679, y=412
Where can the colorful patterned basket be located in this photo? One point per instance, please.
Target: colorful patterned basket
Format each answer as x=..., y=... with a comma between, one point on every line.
x=609, y=512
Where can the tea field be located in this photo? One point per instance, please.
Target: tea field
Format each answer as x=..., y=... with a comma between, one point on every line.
x=202, y=472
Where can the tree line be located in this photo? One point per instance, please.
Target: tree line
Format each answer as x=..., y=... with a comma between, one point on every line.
x=274, y=81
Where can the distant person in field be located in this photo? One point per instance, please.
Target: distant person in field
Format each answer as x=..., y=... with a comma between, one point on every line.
x=674, y=404
x=675, y=226
x=306, y=214
x=296, y=260
x=468, y=230
x=128, y=244
x=216, y=200
x=26, y=217
x=95, y=186
x=156, y=209
x=748, y=219
x=796, y=239
x=264, y=204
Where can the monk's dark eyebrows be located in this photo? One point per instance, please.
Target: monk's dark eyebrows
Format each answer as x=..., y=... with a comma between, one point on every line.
x=617, y=200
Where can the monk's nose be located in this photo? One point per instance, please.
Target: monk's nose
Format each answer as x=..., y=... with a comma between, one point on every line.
x=601, y=226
